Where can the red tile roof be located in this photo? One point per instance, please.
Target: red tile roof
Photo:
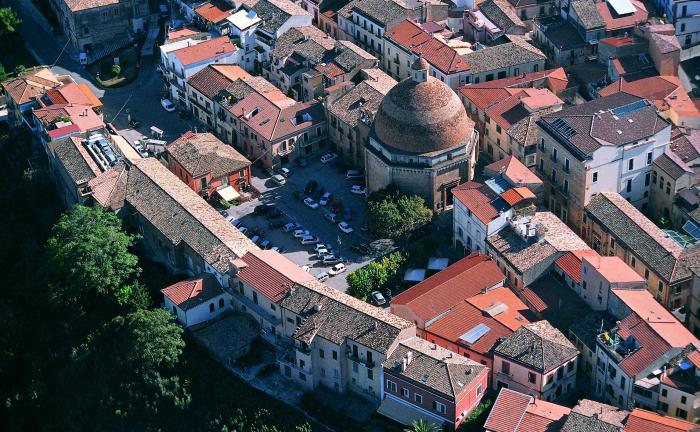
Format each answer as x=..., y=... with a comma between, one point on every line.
x=205, y=50
x=514, y=170
x=619, y=41
x=508, y=411
x=192, y=292
x=535, y=301
x=212, y=79
x=645, y=421
x=613, y=21
x=411, y=37
x=477, y=197
x=694, y=358
x=570, y=263
x=271, y=273
x=442, y=291
x=182, y=33
x=213, y=12
x=515, y=195
x=330, y=70
x=652, y=346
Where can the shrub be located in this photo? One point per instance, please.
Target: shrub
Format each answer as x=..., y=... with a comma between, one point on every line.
x=393, y=214
x=116, y=70
x=374, y=276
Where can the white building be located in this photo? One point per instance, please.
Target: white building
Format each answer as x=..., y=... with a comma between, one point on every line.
x=196, y=300
x=243, y=25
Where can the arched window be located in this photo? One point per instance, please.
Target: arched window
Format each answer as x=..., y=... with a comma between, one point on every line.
x=211, y=307
x=221, y=303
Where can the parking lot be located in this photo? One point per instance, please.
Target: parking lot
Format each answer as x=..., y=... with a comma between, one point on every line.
x=330, y=179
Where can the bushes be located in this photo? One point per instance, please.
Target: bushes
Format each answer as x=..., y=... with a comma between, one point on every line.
x=116, y=70
x=374, y=276
x=393, y=214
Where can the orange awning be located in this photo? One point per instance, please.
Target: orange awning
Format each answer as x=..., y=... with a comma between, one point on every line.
x=94, y=100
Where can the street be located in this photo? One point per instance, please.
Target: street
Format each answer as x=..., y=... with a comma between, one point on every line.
x=140, y=98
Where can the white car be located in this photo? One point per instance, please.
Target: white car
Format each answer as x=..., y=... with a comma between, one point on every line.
x=308, y=240
x=290, y=226
x=310, y=203
x=357, y=189
x=284, y=172
x=344, y=227
x=301, y=233
x=168, y=105
x=328, y=157
x=337, y=269
x=322, y=276
x=306, y=268
x=280, y=180
x=325, y=198
x=322, y=252
x=330, y=259
x=243, y=230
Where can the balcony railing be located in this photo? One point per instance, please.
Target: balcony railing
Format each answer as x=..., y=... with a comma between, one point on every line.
x=369, y=364
x=284, y=152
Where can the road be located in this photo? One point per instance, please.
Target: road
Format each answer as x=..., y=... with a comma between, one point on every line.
x=141, y=98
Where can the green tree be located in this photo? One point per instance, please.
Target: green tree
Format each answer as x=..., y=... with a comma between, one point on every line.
x=116, y=70
x=89, y=256
x=374, y=276
x=3, y=73
x=8, y=21
x=422, y=426
x=125, y=371
x=393, y=214
x=20, y=70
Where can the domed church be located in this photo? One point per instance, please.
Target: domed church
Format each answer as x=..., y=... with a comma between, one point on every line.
x=422, y=140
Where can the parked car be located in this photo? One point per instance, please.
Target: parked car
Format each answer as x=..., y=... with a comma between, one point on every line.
x=354, y=174
x=255, y=239
x=265, y=244
x=320, y=246
x=377, y=298
x=275, y=224
x=322, y=276
x=237, y=223
x=302, y=162
x=311, y=203
x=337, y=269
x=284, y=172
x=310, y=187
x=344, y=227
x=328, y=157
x=358, y=189
x=243, y=230
x=325, y=198
x=301, y=233
x=279, y=179
x=277, y=249
x=330, y=259
x=168, y=105
x=331, y=216
x=289, y=227
x=347, y=214
x=308, y=240
x=322, y=252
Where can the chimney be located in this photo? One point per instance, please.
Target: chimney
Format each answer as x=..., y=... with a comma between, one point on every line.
x=409, y=357
x=404, y=363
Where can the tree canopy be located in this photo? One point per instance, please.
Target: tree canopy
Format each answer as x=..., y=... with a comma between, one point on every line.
x=393, y=214
x=8, y=21
x=374, y=276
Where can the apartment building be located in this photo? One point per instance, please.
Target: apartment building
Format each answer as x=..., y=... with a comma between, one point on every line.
x=632, y=355
x=366, y=21
x=492, y=20
x=91, y=25
x=520, y=139
x=182, y=63
x=339, y=342
x=428, y=382
x=208, y=166
x=350, y=114
x=203, y=88
x=407, y=40
x=483, y=209
x=22, y=93
x=614, y=227
x=682, y=14
x=529, y=10
x=536, y=359
x=605, y=145
x=504, y=61
x=529, y=246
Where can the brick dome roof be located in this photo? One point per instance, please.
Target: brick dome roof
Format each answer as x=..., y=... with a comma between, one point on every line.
x=422, y=117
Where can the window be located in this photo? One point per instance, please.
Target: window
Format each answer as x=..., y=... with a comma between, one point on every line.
x=681, y=413
x=204, y=183
x=321, y=353
x=684, y=400
x=595, y=177
x=570, y=366
x=370, y=374
x=211, y=307
x=668, y=188
x=487, y=120
x=418, y=398
x=633, y=262
x=629, y=185
x=498, y=129
x=479, y=389
x=437, y=406
x=649, y=156
x=646, y=274
x=661, y=286
x=221, y=303
x=554, y=154
x=404, y=392
x=623, y=382
x=174, y=310
x=369, y=358
x=647, y=179
x=566, y=186
x=505, y=368
x=335, y=355
x=391, y=385
x=664, y=392
x=630, y=165
x=560, y=373
x=567, y=164
x=255, y=297
x=531, y=377
x=554, y=176
x=653, y=178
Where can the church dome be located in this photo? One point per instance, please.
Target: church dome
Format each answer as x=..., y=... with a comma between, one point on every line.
x=422, y=116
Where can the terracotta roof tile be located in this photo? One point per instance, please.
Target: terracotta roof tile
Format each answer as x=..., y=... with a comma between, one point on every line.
x=203, y=153
x=613, y=21
x=442, y=291
x=515, y=195
x=644, y=421
x=514, y=170
x=271, y=273
x=31, y=85
x=214, y=11
x=79, y=5
x=483, y=202
x=508, y=411
x=214, y=78
x=193, y=292
x=205, y=50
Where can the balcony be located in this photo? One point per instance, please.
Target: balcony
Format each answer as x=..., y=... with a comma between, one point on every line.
x=369, y=364
x=284, y=152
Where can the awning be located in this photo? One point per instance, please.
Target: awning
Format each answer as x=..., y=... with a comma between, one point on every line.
x=414, y=275
x=228, y=193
